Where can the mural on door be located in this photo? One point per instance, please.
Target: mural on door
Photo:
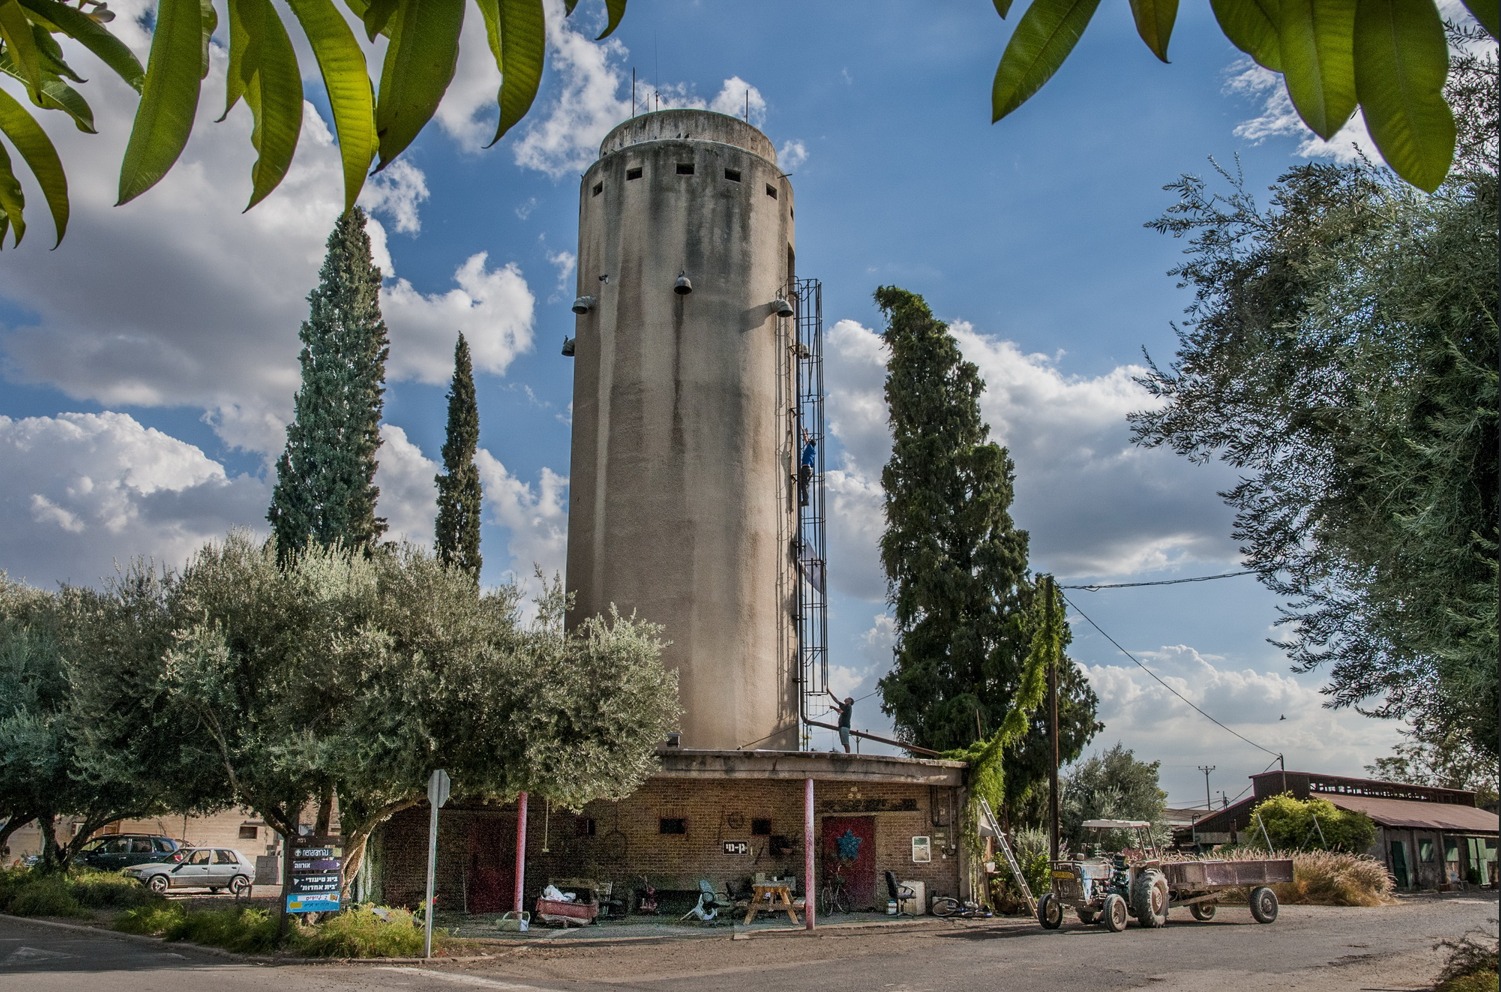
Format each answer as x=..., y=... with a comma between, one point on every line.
x=850, y=842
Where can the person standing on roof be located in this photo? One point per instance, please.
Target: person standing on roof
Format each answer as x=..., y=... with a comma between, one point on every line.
x=805, y=470
x=845, y=709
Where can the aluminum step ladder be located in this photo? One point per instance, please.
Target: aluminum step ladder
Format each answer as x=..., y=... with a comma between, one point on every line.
x=988, y=821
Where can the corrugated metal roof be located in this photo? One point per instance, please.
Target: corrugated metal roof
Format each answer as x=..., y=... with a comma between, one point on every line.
x=1423, y=816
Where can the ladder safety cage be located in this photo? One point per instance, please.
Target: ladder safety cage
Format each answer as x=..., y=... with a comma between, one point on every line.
x=810, y=546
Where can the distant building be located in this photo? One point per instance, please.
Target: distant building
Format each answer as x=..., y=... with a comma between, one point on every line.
x=1428, y=838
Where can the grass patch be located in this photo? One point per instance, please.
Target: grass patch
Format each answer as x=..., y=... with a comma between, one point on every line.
x=110, y=890
x=42, y=895
x=1330, y=878
x=360, y=932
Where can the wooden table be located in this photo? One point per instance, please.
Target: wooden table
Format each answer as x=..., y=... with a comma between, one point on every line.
x=771, y=897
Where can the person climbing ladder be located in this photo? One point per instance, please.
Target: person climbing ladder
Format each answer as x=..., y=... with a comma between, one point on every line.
x=805, y=470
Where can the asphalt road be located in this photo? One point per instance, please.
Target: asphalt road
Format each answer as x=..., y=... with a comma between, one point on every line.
x=1310, y=949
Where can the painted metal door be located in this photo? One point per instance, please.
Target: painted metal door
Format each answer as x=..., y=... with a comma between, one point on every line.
x=850, y=842
x=1399, y=864
x=491, y=883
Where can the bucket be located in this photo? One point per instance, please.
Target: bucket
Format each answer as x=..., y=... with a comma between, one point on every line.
x=890, y=907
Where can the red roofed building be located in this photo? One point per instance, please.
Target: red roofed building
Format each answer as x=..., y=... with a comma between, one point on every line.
x=1429, y=838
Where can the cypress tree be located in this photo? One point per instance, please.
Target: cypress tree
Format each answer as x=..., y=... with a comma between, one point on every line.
x=325, y=490
x=458, y=485
x=956, y=565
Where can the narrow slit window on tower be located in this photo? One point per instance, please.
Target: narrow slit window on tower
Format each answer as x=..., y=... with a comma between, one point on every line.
x=733, y=175
x=685, y=168
x=598, y=189
x=672, y=825
x=634, y=173
x=771, y=191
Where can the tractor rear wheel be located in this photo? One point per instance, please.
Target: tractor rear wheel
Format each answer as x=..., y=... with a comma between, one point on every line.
x=1115, y=913
x=1149, y=898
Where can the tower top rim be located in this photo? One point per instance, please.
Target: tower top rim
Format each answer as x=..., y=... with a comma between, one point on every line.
x=687, y=124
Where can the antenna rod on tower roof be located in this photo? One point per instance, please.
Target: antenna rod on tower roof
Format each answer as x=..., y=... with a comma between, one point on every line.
x=633, y=91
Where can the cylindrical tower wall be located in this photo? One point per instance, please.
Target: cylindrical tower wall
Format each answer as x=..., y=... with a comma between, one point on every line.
x=674, y=508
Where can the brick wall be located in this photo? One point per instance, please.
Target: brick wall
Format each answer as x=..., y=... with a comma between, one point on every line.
x=476, y=843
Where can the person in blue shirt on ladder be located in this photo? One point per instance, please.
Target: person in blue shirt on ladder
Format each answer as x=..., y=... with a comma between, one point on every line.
x=805, y=471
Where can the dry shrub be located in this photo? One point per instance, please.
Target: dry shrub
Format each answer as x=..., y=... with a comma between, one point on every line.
x=1472, y=963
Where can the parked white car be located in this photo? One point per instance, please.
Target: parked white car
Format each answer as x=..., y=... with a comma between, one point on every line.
x=211, y=868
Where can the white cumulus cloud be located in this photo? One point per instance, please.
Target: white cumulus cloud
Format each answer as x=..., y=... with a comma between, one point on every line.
x=82, y=491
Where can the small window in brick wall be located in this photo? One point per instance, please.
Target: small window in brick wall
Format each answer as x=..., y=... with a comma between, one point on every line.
x=248, y=831
x=672, y=825
x=586, y=826
x=760, y=828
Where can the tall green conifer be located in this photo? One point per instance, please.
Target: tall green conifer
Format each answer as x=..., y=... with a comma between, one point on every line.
x=459, y=490
x=325, y=490
x=956, y=565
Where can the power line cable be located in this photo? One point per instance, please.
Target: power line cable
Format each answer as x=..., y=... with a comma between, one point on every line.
x=1169, y=688
x=1097, y=586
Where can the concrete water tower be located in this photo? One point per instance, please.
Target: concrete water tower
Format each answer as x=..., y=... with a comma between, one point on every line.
x=681, y=501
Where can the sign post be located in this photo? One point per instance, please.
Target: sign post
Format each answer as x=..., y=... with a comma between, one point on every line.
x=437, y=794
x=315, y=884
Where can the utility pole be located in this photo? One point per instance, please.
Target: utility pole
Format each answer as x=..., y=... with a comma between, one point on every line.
x=1208, y=799
x=1047, y=591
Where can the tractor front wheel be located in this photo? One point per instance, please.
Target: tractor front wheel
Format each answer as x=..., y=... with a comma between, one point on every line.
x=1049, y=912
x=1115, y=913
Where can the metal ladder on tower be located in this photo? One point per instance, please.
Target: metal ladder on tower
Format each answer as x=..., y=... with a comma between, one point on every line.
x=989, y=822
x=811, y=549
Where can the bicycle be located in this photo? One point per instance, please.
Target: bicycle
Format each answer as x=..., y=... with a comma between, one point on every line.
x=834, y=898
x=947, y=906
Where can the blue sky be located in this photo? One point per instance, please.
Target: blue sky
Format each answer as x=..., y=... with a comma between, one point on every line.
x=149, y=363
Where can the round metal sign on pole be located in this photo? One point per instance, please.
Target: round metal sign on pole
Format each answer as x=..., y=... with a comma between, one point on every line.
x=437, y=794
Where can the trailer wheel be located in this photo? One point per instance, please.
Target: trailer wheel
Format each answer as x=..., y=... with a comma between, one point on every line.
x=1149, y=897
x=1088, y=915
x=1049, y=912
x=1202, y=911
x=1115, y=913
x=1263, y=904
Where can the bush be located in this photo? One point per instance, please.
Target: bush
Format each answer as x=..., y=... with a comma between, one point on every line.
x=42, y=895
x=1030, y=845
x=1472, y=965
x=249, y=930
x=1332, y=878
x=157, y=920
x=110, y=890
x=1312, y=825
x=362, y=932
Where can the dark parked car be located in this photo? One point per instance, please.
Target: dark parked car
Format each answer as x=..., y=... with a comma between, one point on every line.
x=118, y=851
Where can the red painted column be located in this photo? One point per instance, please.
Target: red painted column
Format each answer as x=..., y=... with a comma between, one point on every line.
x=810, y=886
x=520, y=846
